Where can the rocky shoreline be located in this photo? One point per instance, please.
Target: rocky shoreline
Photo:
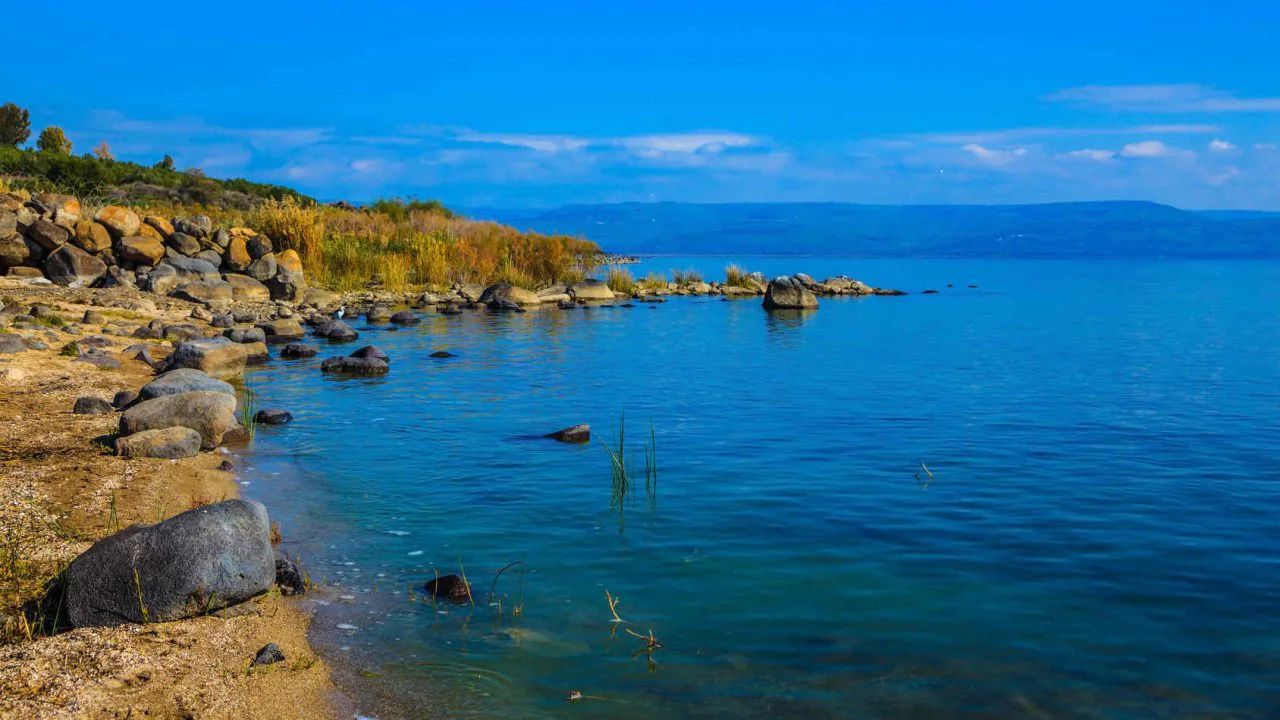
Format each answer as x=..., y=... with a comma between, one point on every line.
x=150, y=323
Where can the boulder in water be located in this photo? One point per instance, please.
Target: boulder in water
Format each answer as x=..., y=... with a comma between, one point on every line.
x=577, y=434
x=449, y=587
x=787, y=293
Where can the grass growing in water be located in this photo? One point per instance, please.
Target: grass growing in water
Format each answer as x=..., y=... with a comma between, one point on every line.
x=625, y=470
x=735, y=276
x=249, y=412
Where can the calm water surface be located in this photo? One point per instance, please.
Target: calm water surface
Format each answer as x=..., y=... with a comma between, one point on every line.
x=1101, y=538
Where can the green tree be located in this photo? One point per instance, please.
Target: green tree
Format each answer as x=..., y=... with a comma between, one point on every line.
x=15, y=125
x=54, y=140
x=166, y=163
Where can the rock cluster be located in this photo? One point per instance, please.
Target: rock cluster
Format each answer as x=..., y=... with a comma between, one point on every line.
x=51, y=236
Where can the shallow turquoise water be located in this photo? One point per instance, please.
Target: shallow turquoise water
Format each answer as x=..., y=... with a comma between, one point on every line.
x=1101, y=539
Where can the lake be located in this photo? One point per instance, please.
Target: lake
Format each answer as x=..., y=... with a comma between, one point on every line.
x=1099, y=535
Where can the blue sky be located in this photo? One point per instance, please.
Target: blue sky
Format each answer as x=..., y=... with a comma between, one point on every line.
x=545, y=103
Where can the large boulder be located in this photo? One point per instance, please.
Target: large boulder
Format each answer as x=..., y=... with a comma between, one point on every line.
x=259, y=246
x=287, y=286
x=591, y=290
x=217, y=292
x=167, y=443
x=470, y=292
x=192, y=564
x=245, y=288
x=92, y=236
x=406, y=317
x=18, y=250
x=183, y=380
x=216, y=357
x=65, y=209
x=495, y=295
x=140, y=250
x=282, y=330
x=200, y=226
x=577, y=434
x=237, y=258
x=212, y=414
x=70, y=266
x=163, y=279
x=263, y=268
x=48, y=235
x=787, y=293
x=288, y=261
x=245, y=335
x=121, y=221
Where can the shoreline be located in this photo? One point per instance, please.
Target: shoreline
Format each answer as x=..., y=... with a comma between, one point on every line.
x=60, y=490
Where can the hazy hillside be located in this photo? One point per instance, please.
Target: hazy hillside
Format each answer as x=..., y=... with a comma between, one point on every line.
x=1090, y=229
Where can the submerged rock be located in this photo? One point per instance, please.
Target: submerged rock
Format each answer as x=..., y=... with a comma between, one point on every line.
x=442, y=354
x=337, y=331
x=449, y=587
x=575, y=434
x=194, y=563
x=294, y=351
x=787, y=293
x=273, y=417
x=371, y=351
x=406, y=317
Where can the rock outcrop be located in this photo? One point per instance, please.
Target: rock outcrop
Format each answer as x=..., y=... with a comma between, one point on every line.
x=788, y=293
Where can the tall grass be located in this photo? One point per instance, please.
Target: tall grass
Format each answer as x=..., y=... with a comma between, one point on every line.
x=248, y=413
x=620, y=280
x=685, y=277
x=654, y=281
x=735, y=276
x=343, y=249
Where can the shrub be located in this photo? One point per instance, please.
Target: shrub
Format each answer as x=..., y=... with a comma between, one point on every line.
x=54, y=140
x=736, y=277
x=291, y=226
x=685, y=277
x=103, y=151
x=15, y=125
x=654, y=281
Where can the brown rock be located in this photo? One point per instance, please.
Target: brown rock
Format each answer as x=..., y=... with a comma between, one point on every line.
x=246, y=288
x=70, y=266
x=147, y=231
x=216, y=357
x=237, y=258
x=211, y=414
x=142, y=250
x=121, y=221
x=163, y=226
x=92, y=236
x=48, y=235
x=289, y=261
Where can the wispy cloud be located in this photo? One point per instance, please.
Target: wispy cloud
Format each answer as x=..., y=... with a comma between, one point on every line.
x=1218, y=145
x=994, y=157
x=649, y=146
x=268, y=139
x=1184, y=98
x=1091, y=154
x=1028, y=133
x=1152, y=149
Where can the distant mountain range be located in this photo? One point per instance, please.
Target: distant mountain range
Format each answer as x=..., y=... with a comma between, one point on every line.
x=1059, y=230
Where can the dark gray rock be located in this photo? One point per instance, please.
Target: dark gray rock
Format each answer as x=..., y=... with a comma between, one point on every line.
x=355, y=366
x=118, y=277
x=223, y=320
x=371, y=351
x=406, y=317
x=222, y=239
x=47, y=235
x=263, y=269
x=11, y=344
x=442, y=354
x=258, y=246
x=289, y=577
x=270, y=654
x=190, y=268
x=504, y=306
x=184, y=244
x=576, y=434
x=449, y=587
x=378, y=314
x=273, y=417
x=92, y=406
x=295, y=351
x=787, y=293
x=337, y=331
x=69, y=266
x=181, y=332
x=246, y=335
x=198, y=227
x=203, y=560
x=218, y=357
x=183, y=380
x=124, y=399
x=93, y=317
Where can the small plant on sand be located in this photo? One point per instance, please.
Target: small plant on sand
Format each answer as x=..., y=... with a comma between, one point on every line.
x=620, y=280
x=276, y=537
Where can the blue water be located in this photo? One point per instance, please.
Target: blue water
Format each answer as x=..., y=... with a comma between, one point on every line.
x=1100, y=538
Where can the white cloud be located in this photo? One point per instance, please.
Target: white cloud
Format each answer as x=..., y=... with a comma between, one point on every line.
x=1091, y=154
x=1224, y=176
x=1152, y=149
x=994, y=157
x=646, y=146
x=1183, y=98
x=1013, y=134
x=1217, y=145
